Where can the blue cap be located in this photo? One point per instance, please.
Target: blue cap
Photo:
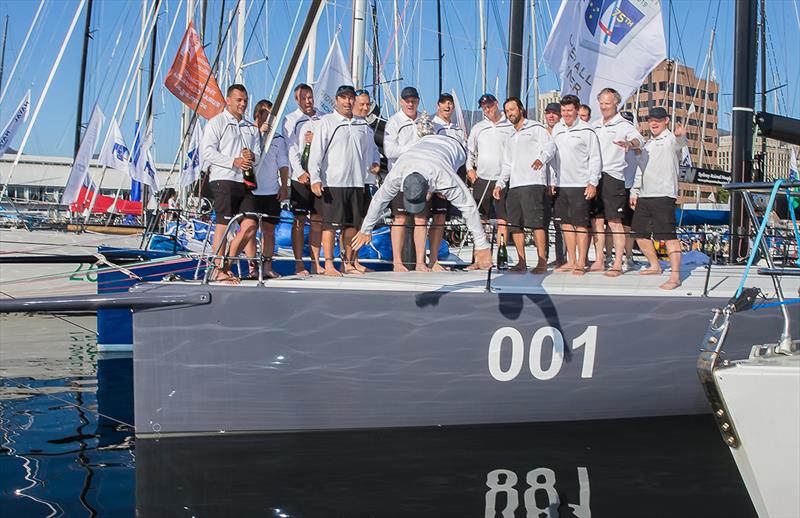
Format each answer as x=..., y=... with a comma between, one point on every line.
x=486, y=98
x=409, y=92
x=345, y=90
x=657, y=113
x=415, y=193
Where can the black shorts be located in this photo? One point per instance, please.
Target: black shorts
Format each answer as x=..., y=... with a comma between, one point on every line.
x=342, y=207
x=596, y=206
x=614, y=197
x=525, y=207
x=488, y=207
x=231, y=198
x=436, y=205
x=654, y=217
x=627, y=215
x=303, y=200
x=369, y=191
x=268, y=204
x=572, y=207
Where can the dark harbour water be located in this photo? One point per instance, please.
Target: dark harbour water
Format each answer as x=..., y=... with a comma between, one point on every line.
x=67, y=449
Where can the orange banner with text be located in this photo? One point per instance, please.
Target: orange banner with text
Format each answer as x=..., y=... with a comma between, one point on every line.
x=188, y=75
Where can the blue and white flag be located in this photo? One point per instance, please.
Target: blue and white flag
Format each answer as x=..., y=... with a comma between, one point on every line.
x=144, y=169
x=335, y=73
x=19, y=117
x=596, y=44
x=78, y=174
x=193, y=164
x=686, y=158
x=794, y=172
x=115, y=153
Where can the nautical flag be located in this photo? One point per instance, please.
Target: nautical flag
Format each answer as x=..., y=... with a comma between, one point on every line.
x=144, y=166
x=459, y=114
x=596, y=44
x=115, y=153
x=334, y=74
x=193, y=165
x=794, y=172
x=187, y=77
x=19, y=117
x=690, y=111
x=686, y=158
x=78, y=174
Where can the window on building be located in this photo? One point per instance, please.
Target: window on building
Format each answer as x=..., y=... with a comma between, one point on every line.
x=662, y=85
x=709, y=125
x=691, y=90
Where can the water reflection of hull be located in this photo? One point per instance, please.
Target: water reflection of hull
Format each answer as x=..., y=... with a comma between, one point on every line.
x=292, y=357
x=645, y=467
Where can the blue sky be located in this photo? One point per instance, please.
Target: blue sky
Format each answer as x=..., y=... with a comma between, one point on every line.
x=116, y=25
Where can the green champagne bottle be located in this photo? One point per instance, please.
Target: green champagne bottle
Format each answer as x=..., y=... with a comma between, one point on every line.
x=304, y=156
x=502, y=254
x=249, y=178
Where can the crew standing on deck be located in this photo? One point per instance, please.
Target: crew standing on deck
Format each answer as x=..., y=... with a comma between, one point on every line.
x=298, y=131
x=580, y=166
x=486, y=144
x=617, y=136
x=400, y=134
x=231, y=144
x=654, y=193
x=371, y=168
x=527, y=151
x=552, y=116
x=342, y=144
x=426, y=170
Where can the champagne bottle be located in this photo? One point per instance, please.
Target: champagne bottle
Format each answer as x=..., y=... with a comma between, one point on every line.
x=502, y=254
x=249, y=177
x=304, y=156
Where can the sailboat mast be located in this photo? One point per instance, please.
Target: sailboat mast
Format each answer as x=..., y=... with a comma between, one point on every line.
x=396, y=52
x=148, y=116
x=357, y=42
x=481, y=13
x=81, y=84
x=376, y=65
x=439, y=38
x=516, y=20
x=3, y=53
x=744, y=90
x=762, y=163
x=705, y=102
x=240, y=28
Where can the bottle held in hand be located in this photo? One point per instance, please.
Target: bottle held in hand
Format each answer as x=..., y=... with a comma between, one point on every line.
x=249, y=175
x=502, y=254
x=304, y=156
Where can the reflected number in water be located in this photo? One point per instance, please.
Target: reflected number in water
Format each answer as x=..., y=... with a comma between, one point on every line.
x=539, y=481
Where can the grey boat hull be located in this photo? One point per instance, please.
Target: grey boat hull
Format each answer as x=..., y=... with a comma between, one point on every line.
x=288, y=359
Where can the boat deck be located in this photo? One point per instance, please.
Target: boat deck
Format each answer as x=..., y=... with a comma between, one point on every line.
x=722, y=282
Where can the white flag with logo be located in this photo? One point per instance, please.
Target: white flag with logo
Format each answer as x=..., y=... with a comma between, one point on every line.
x=143, y=169
x=77, y=175
x=193, y=165
x=115, y=153
x=596, y=44
x=13, y=125
x=335, y=73
x=686, y=157
x=794, y=172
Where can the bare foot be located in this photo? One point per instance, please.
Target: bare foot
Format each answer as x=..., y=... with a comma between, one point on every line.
x=333, y=272
x=566, y=267
x=316, y=269
x=540, y=268
x=613, y=272
x=399, y=267
x=224, y=277
x=421, y=267
x=436, y=267
x=670, y=285
x=302, y=273
x=519, y=267
x=271, y=274
x=598, y=266
x=352, y=270
x=579, y=270
x=361, y=268
x=650, y=271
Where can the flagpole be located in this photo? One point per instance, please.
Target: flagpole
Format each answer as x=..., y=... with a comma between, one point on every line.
x=705, y=103
x=42, y=97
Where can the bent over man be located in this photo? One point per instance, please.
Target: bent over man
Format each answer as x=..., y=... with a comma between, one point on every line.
x=427, y=169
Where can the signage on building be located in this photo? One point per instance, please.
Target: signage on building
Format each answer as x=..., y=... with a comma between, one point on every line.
x=704, y=176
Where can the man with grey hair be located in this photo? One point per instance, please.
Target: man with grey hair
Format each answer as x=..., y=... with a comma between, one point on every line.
x=617, y=136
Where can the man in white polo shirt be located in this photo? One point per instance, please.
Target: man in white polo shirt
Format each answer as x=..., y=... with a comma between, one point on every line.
x=428, y=169
x=616, y=136
x=231, y=144
x=341, y=147
x=298, y=129
x=486, y=144
x=580, y=166
x=654, y=193
x=527, y=151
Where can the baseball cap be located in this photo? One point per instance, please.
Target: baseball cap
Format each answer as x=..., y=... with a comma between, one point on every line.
x=486, y=98
x=553, y=107
x=657, y=113
x=444, y=96
x=415, y=193
x=345, y=90
x=409, y=92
